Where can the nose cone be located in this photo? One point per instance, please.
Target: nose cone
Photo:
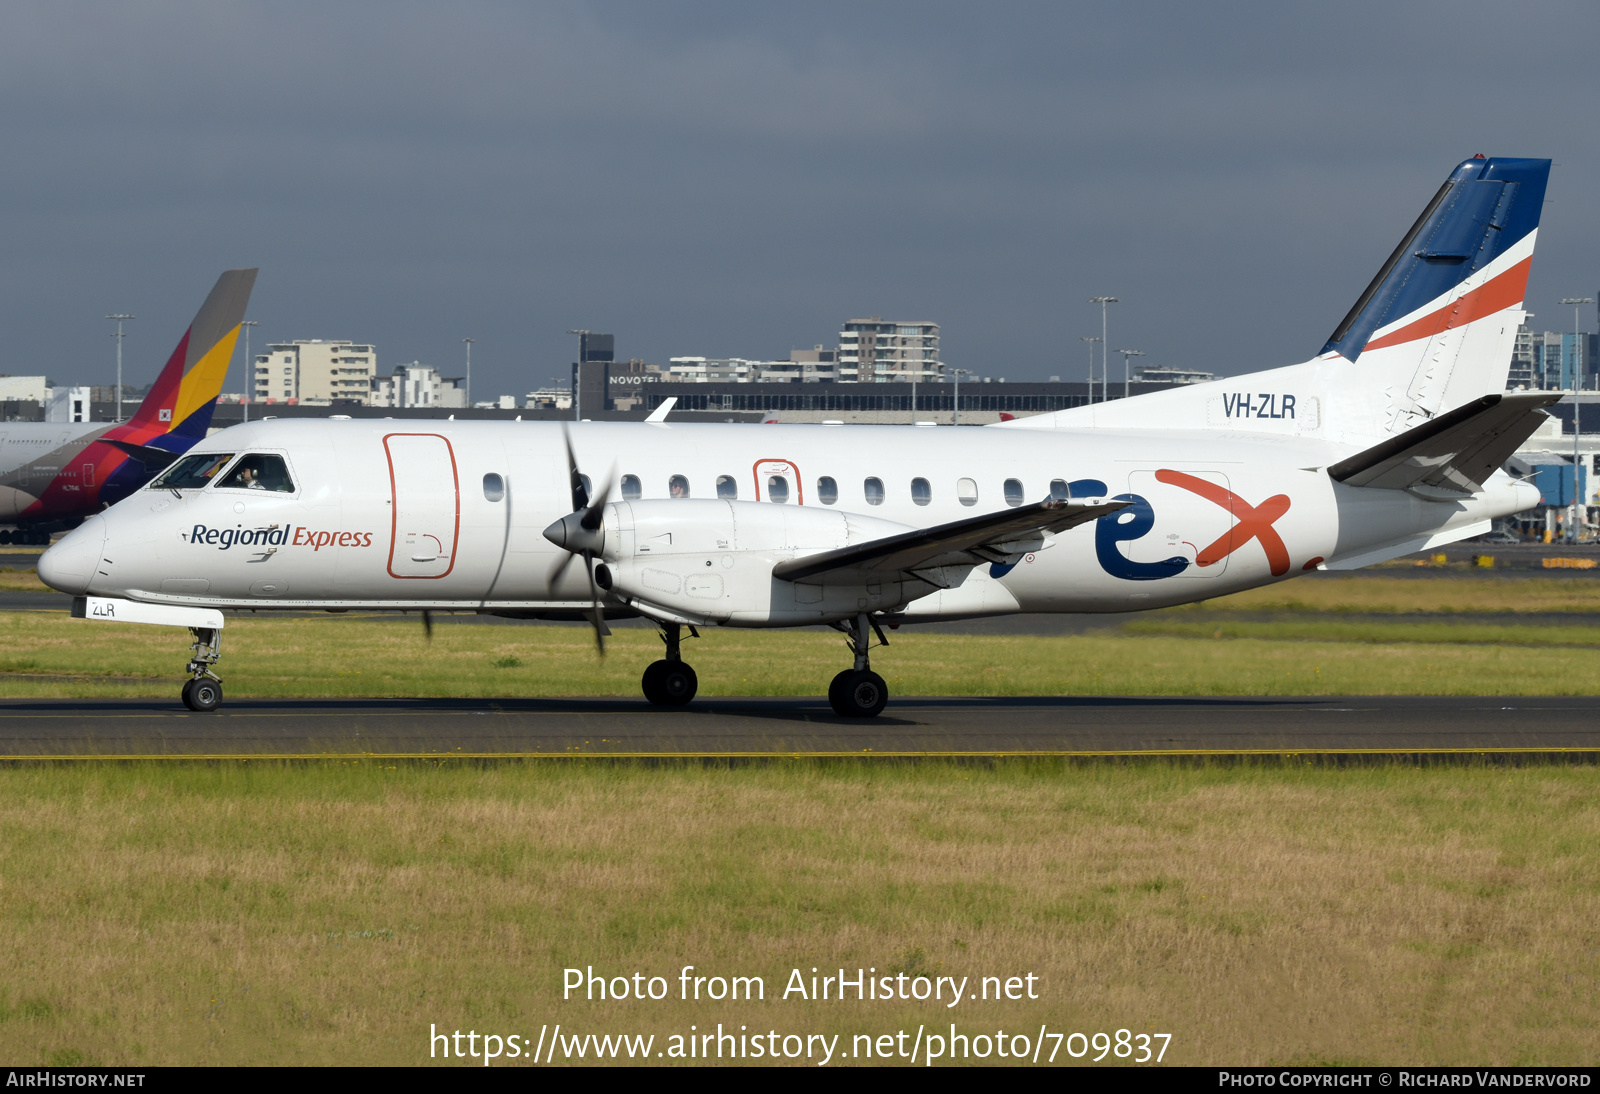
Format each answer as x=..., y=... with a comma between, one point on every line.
x=570, y=533
x=70, y=564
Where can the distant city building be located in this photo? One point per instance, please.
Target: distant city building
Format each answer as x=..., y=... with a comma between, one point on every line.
x=1549, y=360
x=418, y=385
x=315, y=371
x=1524, y=373
x=17, y=389
x=707, y=370
x=1167, y=375
x=814, y=365
x=875, y=350
x=548, y=398
x=68, y=404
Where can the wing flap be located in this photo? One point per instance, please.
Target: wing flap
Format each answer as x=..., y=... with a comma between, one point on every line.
x=993, y=537
x=1455, y=453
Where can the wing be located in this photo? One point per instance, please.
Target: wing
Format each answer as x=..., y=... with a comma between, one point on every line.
x=1455, y=453
x=994, y=537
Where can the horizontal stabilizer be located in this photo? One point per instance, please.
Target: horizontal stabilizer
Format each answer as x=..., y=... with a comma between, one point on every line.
x=971, y=542
x=149, y=457
x=1454, y=454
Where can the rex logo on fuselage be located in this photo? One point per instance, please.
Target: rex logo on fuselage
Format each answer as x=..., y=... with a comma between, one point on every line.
x=1251, y=522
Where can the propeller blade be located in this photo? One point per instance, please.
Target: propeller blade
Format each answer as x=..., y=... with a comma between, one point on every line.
x=561, y=568
x=580, y=493
x=427, y=624
x=600, y=628
x=594, y=515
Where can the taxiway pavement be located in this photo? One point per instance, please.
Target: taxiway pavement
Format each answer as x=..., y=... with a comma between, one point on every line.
x=36, y=728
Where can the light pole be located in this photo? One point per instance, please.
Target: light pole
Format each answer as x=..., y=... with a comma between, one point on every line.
x=1105, y=369
x=1577, y=343
x=958, y=373
x=119, y=317
x=1091, y=342
x=577, y=373
x=1126, y=383
x=249, y=368
x=469, y=341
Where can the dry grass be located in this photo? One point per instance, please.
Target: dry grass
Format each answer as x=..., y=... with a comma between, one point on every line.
x=1376, y=593
x=22, y=581
x=329, y=913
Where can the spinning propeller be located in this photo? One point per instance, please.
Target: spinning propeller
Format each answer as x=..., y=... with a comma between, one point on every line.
x=582, y=533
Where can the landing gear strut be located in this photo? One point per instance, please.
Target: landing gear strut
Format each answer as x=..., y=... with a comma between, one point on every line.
x=859, y=692
x=670, y=682
x=203, y=692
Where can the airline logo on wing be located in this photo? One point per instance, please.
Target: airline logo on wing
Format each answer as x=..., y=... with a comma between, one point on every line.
x=297, y=536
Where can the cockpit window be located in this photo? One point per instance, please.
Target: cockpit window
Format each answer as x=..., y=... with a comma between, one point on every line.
x=192, y=472
x=258, y=472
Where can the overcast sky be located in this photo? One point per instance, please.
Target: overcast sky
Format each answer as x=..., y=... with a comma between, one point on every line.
x=738, y=179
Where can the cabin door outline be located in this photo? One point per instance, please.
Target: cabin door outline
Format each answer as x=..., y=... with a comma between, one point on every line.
x=425, y=506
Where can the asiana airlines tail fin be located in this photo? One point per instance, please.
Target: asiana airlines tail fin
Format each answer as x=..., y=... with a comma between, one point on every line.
x=183, y=397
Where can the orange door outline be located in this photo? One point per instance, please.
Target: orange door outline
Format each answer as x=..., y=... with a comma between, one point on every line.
x=394, y=507
x=788, y=465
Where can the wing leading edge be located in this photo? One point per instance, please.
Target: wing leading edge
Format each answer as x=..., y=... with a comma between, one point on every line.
x=994, y=537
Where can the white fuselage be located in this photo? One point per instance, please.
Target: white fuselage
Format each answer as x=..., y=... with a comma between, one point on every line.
x=397, y=514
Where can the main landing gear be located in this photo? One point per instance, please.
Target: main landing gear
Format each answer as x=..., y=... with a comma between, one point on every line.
x=670, y=682
x=203, y=692
x=859, y=692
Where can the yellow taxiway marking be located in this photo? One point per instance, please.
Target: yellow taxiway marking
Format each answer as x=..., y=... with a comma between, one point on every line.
x=803, y=755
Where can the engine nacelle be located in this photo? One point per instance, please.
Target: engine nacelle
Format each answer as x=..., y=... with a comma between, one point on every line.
x=711, y=562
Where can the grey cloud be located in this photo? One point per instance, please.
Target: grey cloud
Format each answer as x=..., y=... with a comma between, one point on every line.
x=738, y=179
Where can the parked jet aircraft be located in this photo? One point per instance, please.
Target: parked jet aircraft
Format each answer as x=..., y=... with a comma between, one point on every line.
x=1388, y=441
x=54, y=474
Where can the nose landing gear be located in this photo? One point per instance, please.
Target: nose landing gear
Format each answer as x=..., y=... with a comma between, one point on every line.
x=203, y=692
x=859, y=692
x=670, y=682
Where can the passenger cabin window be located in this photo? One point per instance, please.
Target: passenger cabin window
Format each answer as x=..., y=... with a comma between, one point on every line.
x=873, y=488
x=588, y=492
x=258, y=471
x=727, y=488
x=921, y=492
x=678, y=487
x=631, y=490
x=1059, y=490
x=777, y=489
x=827, y=490
x=494, y=487
x=192, y=472
x=1013, y=491
x=967, y=491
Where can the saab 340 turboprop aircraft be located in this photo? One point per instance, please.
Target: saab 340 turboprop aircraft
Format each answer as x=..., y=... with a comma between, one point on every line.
x=53, y=474
x=1388, y=441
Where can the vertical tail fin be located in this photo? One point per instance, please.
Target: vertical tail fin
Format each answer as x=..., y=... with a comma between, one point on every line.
x=1440, y=318
x=185, y=394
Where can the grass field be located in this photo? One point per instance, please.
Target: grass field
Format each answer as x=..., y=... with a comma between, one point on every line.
x=1275, y=913
x=329, y=913
x=1306, y=644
